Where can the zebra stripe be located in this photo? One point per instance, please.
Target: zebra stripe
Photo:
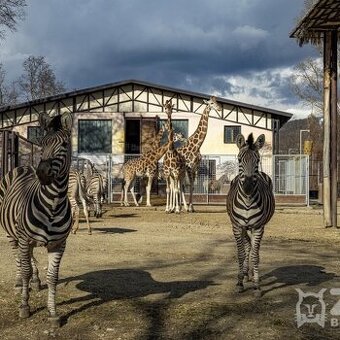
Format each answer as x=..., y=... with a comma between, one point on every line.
x=250, y=206
x=76, y=192
x=94, y=188
x=35, y=210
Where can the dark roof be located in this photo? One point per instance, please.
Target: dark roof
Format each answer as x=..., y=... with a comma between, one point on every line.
x=323, y=16
x=143, y=83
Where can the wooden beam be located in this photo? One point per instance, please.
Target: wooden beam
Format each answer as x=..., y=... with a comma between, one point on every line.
x=330, y=132
x=334, y=121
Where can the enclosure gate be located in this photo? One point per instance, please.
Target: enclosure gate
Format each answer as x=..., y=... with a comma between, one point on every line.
x=16, y=151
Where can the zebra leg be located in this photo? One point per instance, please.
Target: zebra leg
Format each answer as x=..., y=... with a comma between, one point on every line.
x=18, y=278
x=255, y=258
x=35, y=282
x=86, y=214
x=241, y=254
x=247, y=245
x=54, y=257
x=75, y=215
x=25, y=252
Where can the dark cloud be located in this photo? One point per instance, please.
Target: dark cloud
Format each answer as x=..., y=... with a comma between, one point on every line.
x=186, y=44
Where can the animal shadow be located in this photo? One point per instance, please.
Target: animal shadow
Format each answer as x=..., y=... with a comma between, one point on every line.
x=295, y=275
x=115, y=284
x=114, y=230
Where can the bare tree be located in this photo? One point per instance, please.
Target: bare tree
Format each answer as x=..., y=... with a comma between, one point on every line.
x=2, y=85
x=38, y=79
x=8, y=93
x=10, y=12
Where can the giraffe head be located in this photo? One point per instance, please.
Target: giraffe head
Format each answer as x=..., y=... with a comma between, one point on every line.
x=212, y=104
x=168, y=107
x=249, y=159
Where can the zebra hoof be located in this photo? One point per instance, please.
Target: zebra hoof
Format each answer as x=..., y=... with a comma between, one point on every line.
x=17, y=289
x=24, y=312
x=246, y=278
x=239, y=288
x=257, y=293
x=90, y=232
x=54, y=321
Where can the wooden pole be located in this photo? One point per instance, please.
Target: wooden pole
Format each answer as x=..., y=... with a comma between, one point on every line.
x=327, y=206
x=334, y=129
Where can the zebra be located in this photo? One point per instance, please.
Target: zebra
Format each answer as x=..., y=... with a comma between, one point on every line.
x=94, y=188
x=35, y=210
x=76, y=193
x=250, y=205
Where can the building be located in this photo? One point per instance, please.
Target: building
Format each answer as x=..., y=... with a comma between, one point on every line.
x=119, y=118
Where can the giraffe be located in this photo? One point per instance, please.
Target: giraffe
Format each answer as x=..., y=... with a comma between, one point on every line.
x=190, y=151
x=173, y=168
x=144, y=166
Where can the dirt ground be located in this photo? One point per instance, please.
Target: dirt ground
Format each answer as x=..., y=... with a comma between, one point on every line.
x=144, y=274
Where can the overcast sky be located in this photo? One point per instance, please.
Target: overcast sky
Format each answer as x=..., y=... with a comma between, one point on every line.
x=237, y=49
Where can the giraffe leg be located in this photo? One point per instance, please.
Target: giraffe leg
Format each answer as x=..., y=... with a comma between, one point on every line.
x=167, y=207
x=255, y=258
x=182, y=194
x=241, y=254
x=148, y=191
x=191, y=188
x=176, y=196
x=26, y=273
x=54, y=257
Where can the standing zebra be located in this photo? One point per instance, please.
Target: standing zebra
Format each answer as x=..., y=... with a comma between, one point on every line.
x=250, y=205
x=35, y=210
x=76, y=193
x=94, y=188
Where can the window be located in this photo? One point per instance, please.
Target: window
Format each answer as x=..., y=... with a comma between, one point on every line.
x=35, y=133
x=95, y=136
x=230, y=134
x=179, y=126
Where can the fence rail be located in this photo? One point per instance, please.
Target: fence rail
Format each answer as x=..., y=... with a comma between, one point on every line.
x=290, y=175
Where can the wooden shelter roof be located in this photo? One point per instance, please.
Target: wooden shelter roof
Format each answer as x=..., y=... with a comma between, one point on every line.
x=323, y=16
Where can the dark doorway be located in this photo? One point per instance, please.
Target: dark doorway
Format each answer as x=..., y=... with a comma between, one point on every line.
x=132, y=136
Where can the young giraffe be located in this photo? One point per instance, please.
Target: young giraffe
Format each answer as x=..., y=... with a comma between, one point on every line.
x=190, y=151
x=173, y=169
x=144, y=166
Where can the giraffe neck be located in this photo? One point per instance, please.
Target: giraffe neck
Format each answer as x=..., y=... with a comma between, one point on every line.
x=197, y=138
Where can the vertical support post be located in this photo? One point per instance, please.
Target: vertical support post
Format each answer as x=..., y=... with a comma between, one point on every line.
x=4, y=152
x=334, y=129
x=327, y=206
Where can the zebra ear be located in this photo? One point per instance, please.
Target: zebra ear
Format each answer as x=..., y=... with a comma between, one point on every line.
x=240, y=141
x=67, y=121
x=44, y=120
x=260, y=141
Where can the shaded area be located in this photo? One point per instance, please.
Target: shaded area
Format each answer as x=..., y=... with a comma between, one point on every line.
x=294, y=275
x=114, y=284
x=114, y=230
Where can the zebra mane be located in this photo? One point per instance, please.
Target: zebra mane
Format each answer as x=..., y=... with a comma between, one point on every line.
x=55, y=123
x=250, y=142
